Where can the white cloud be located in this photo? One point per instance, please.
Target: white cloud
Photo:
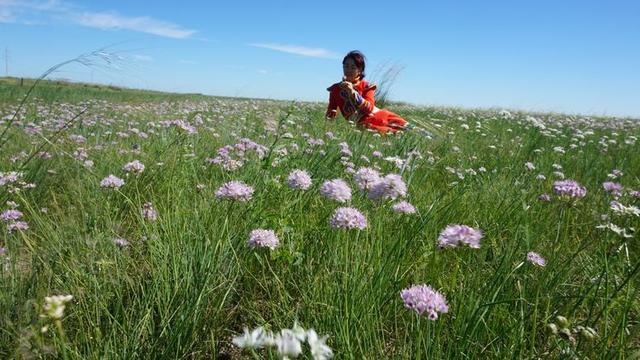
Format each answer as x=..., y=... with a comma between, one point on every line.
x=53, y=10
x=299, y=50
x=143, y=24
x=145, y=58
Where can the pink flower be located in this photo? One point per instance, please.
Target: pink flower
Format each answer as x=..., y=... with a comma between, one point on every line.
x=337, y=190
x=536, y=259
x=404, y=207
x=348, y=218
x=263, y=238
x=424, y=299
x=299, y=179
x=235, y=190
x=455, y=235
x=112, y=182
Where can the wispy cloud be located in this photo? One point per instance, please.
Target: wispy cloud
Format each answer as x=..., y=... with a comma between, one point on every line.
x=144, y=58
x=114, y=21
x=298, y=50
x=26, y=11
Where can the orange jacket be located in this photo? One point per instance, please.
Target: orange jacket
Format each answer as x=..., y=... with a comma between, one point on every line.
x=360, y=103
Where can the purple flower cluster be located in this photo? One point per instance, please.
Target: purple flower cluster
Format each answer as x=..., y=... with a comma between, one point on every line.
x=337, y=190
x=235, y=190
x=299, y=180
x=569, y=188
x=455, y=235
x=112, y=182
x=148, y=212
x=536, y=259
x=389, y=187
x=17, y=225
x=614, y=188
x=424, y=299
x=348, y=218
x=232, y=157
x=10, y=215
x=404, y=207
x=263, y=238
x=188, y=128
x=365, y=178
x=134, y=166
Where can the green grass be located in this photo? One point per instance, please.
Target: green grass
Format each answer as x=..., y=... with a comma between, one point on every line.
x=188, y=282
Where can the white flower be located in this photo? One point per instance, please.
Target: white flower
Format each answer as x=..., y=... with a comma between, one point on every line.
x=255, y=339
x=54, y=306
x=624, y=210
x=288, y=344
x=319, y=348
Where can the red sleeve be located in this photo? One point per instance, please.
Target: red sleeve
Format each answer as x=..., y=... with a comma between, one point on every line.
x=366, y=100
x=332, y=109
x=368, y=95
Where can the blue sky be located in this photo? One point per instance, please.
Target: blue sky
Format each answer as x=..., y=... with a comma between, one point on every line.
x=563, y=56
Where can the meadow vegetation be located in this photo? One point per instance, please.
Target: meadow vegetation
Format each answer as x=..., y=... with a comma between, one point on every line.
x=123, y=199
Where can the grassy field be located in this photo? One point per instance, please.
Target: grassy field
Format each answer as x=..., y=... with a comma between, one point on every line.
x=160, y=266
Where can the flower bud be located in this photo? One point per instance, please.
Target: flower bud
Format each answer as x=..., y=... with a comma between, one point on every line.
x=588, y=333
x=552, y=328
x=562, y=321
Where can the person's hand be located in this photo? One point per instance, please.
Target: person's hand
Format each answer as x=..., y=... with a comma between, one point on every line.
x=347, y=86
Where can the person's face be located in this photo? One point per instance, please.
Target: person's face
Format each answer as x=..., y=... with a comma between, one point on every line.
x=351, y=70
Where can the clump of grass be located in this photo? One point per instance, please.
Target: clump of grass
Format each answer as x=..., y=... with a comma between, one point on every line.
x=384, y=76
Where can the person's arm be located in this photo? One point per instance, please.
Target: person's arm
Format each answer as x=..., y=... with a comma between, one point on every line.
x=365, y=102
x=332, y=109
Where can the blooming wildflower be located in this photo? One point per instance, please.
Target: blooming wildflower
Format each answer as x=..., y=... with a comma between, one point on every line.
x=558, y=174
x=18, y=225
x=423, y=298
x=148, y=212
x=112, y=182
x=635, y=194
x=337, y=190
x=235, y=190
x=134, y=166
x=541, y=177
x=569, y=188
x=377, y=154
x=54, y=306
x=404, y=207
x=120, y=242
x=529, y=166
x=12, y=214
x=616, y=229
x=612, y=187
x=288, y=344
x=454, y=235
x=318, y=345
x=299, y=179
x=263, y=238
x=255, y=339
x=348, y=218
x=389, y=187
x=536, y=259
x=544, y=197
x=365, y=178
x=624, y=210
